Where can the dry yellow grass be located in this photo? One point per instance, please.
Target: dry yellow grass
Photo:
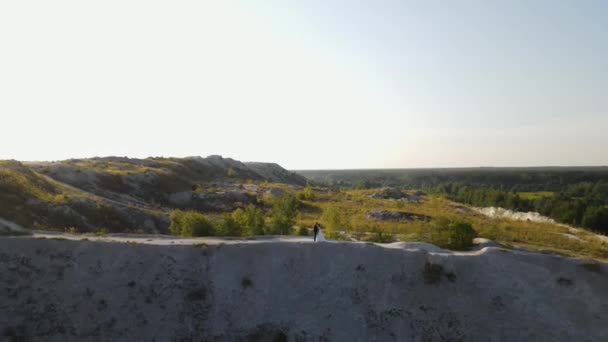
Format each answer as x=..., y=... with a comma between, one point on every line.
x=354, y=205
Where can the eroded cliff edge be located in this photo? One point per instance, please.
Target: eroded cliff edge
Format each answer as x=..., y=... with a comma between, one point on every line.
x=58, y=290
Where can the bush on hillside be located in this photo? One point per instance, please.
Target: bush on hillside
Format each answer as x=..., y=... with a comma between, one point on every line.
x=596, y=218
x=332, y=218
x=449, y=234
x=380, y=237
x=251, y=220
x=284, y=212
x=229, y=226
x=308, y=194
x=303, y=231
x=190, y=223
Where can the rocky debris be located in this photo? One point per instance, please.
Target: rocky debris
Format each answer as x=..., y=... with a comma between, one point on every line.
x=411, y=199
x=388, y=193
x=252, y=188
x=153, y=179
x=386, y=215
x=573, y=237
x=276, y=192
x=60, y=290
x=273, y=172
x=396, y=194
x=480, y=243
x=460, y=208
x=497, y=212
x=8, y=228
x=423, y=246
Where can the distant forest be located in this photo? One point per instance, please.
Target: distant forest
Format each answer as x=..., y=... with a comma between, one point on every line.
x=573, y=195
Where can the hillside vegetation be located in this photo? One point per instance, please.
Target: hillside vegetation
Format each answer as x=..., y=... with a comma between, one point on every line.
x=217, y=196
x=116, y=194
x=351, y=209
x=571, y=195
x=33, y=201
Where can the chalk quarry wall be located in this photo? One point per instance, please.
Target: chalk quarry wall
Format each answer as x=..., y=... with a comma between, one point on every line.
x=59, y=290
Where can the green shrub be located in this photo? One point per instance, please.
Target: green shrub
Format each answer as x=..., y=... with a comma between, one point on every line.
x=102, y=232
x=380, y=237
x=335, y=235
x=449, y=234
x=303, y=231
x=230, y=226
x=308, y=194
x=332, y=218
x=399, y=204
x=190, y=223
x=284, y=212
x=72, y=230
x=251, y=220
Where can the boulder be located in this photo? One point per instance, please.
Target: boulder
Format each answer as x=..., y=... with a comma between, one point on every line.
x=276, y=192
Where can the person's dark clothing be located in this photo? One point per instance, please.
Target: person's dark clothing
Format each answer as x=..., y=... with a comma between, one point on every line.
x=315, y=232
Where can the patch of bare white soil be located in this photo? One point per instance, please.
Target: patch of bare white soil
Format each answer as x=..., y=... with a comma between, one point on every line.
x=154, y=288
x=497, y=212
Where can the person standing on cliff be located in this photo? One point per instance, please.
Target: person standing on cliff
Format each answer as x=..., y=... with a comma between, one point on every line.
x=315, y=231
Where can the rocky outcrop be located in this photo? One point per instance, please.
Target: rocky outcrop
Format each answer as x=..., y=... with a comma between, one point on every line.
x=125, y=194
x=8, y=228
x=386, y=215
x=58, y=290
x=388, y=193
x=275, y=173
x=396, y=194
x=276, y=192
x=155, y=178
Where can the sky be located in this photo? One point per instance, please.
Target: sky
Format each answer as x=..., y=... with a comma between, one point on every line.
x=307, y=84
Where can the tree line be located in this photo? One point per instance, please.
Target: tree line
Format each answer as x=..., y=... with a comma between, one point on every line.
x=582, y=204
x=250, y=220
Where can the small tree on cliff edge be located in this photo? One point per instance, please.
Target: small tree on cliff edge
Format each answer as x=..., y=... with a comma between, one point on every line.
x=284, y=212
x=190, y=223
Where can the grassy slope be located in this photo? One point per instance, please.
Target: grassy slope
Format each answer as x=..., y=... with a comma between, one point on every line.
x=18, y=185
x=31, y=200
x=540, y=236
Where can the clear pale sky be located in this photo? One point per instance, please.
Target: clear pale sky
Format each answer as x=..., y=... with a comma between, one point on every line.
x=307, y=84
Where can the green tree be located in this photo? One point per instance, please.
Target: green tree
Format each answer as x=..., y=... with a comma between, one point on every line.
x=308, y=194
x=361, y=185
x=230, y=226
x=284, y=212
x=190, y=223
x=451, y=234
x=332, y=217
x=251, y=220
x=596, y=218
